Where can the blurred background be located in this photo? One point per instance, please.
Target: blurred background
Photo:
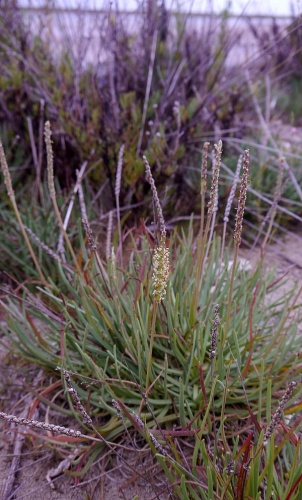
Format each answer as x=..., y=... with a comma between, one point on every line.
x=161, y=78
x=252, y=7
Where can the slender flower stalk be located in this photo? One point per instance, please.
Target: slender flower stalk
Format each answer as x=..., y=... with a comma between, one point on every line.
x=109, y=236
x=237, y=234
x=213, y=214
x=49, y=154
x=121, y=417
x=42, y=245
x=117, y=197
x=82, y=202
x=160, y=265
x=212, y=204
x=278, y=414
x=212, y=356
x=77, y=189
x=76, y=400
x=157, y=205
x=214, y=332
x=215, y=179
x=242, y=199
x=229, y=203
x=203, y=187
x=93, y=251
x=52, y=191
x=89, y=234
x=271, y=214
x=160, y=276
x=152, y=336
x=11, y=195
x=41, y=425
x=154, y=441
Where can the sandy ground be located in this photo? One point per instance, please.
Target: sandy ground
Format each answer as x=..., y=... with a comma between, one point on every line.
x=109, y=479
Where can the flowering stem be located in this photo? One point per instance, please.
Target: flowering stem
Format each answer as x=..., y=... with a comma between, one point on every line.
x=203, y=235
x=230, y=295
x=11, y=194
x=237, y=235
x=52, y=192
x=154, y=312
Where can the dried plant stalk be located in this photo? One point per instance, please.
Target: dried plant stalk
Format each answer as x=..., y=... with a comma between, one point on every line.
x=271, y=214
x=214, y=332
x=49, y=154
x=242, y=199
x=278, y=414
x=89, y=234
x=77, y=187
x=229, y=203
x=203, y=186
x=42, y=245
x=77, y=403
x=237, y=235
x=117, y=197
x=40, y=425
x=215, y=179
x=157, y=205
x=109, y=235
x=202, y=247
x=52, y=191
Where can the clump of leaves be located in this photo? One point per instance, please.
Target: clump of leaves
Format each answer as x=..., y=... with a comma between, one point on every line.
x=197, y=370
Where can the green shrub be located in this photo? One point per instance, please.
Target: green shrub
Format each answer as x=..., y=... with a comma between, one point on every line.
x=156, y=91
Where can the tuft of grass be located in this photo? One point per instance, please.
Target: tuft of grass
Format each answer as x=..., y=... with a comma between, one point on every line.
x=196, y=355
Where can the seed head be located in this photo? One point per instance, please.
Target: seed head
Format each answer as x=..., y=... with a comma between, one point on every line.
x=212, y=205
x=155, y=197
x=233, y=190
x=6, y=174
x=76, y=400
x=278, y=414
x=214, y=332
x=242, y=198
x=89, y=234
x=160, y=269
x=204, y=167
x=49, y=154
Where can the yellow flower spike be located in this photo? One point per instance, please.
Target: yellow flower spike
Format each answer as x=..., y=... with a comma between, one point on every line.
x=160, y=269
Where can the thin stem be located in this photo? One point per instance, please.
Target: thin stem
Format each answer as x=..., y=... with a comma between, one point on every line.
x=237, y=235
x=117, y=199
x=232, y=279
x=52, y=192
x=202, y=243
x=154, y=313
x=204, y=173
x=229, y=205
x=273, y=209
x=10, y=192
x=147, y=94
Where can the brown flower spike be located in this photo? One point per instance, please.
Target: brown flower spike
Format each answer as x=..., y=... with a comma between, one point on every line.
x=242, y=198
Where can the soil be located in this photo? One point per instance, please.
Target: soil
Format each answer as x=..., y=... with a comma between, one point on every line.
x=110, y=478
x=128, y=476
